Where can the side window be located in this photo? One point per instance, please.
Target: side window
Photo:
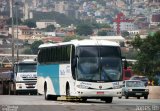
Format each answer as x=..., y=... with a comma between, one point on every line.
x=58, y=54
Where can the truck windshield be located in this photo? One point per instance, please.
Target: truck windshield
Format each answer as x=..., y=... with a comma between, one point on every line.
x=101, y=63
x=26, y=68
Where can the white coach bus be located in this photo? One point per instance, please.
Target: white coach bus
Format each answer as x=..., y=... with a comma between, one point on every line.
x=88, y=69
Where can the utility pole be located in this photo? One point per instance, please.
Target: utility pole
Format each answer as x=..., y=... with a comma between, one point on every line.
x=12, y=35
x=16, y=4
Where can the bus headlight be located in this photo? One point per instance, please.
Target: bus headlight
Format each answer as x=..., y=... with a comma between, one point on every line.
x=117, y=87
x=82, y=86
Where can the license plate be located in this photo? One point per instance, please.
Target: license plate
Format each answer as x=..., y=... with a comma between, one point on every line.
x=138, y=93
x=100, y=93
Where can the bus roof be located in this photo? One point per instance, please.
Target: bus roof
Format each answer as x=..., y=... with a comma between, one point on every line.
x=81, y=42
x=27, y=61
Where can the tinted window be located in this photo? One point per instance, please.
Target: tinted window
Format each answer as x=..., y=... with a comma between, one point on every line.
x=87, y=51
x=109, y=51
x=58, y=54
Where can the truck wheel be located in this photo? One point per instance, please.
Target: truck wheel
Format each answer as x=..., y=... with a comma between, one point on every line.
x=126, y=96
x=138, y=97
x=120, y=97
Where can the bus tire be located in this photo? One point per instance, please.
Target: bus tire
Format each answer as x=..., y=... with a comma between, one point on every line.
x=108, y=99
x=84, y=99
x=48, y=97
x=67, y=90
x=52, y=97
x=45, y=92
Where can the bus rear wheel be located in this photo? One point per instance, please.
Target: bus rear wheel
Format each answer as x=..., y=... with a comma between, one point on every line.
x=67, y=90
x=84, y=99
x=48, y=97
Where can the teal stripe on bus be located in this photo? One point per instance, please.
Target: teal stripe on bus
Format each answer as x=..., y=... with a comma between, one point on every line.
x=51, y=71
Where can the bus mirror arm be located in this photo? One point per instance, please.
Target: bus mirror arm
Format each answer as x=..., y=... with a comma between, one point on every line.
x=125, y=62
x=75, y=61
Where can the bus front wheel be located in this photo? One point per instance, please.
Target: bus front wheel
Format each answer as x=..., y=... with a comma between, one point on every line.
x=108, y=99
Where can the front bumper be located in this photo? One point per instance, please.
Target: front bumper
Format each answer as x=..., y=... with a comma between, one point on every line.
x=92, y=93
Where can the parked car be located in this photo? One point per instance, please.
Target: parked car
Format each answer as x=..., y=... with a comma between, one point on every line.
x=142, y=78
x=134, y=88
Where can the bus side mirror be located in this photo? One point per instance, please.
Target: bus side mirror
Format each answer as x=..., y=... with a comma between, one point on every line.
x=124, y=62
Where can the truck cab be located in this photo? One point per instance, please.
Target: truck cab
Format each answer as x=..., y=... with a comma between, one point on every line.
x=25, y=77
x=127, y=73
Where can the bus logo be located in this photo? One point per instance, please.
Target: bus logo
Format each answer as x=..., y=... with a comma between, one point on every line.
x=100, y=87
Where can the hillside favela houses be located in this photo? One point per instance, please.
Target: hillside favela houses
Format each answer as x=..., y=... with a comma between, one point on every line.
x=129, y=16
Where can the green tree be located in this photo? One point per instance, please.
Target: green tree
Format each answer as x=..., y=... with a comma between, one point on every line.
x=9, y=21
x=148, y=54
x=98, y=25
x=125, y=33
x=102, y=33
x=30, y=23
x=50, y=28
x=84, y=29
x=27, y=51
x=34, y=46
x=61, y=19
x=66, y=39
x=137, y=42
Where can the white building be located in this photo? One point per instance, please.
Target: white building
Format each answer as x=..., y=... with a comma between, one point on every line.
x=45, y=23
x=61, y=7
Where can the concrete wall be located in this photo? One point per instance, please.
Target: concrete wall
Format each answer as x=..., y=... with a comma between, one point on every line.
x=154, y=92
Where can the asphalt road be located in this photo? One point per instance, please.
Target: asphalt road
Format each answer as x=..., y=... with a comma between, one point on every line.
x=37, y=103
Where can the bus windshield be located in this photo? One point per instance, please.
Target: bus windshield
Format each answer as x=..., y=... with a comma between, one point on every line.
x=26, y=68
x=101, y=63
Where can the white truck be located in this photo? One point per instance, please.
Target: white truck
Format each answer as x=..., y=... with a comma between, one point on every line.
x=23, y=79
